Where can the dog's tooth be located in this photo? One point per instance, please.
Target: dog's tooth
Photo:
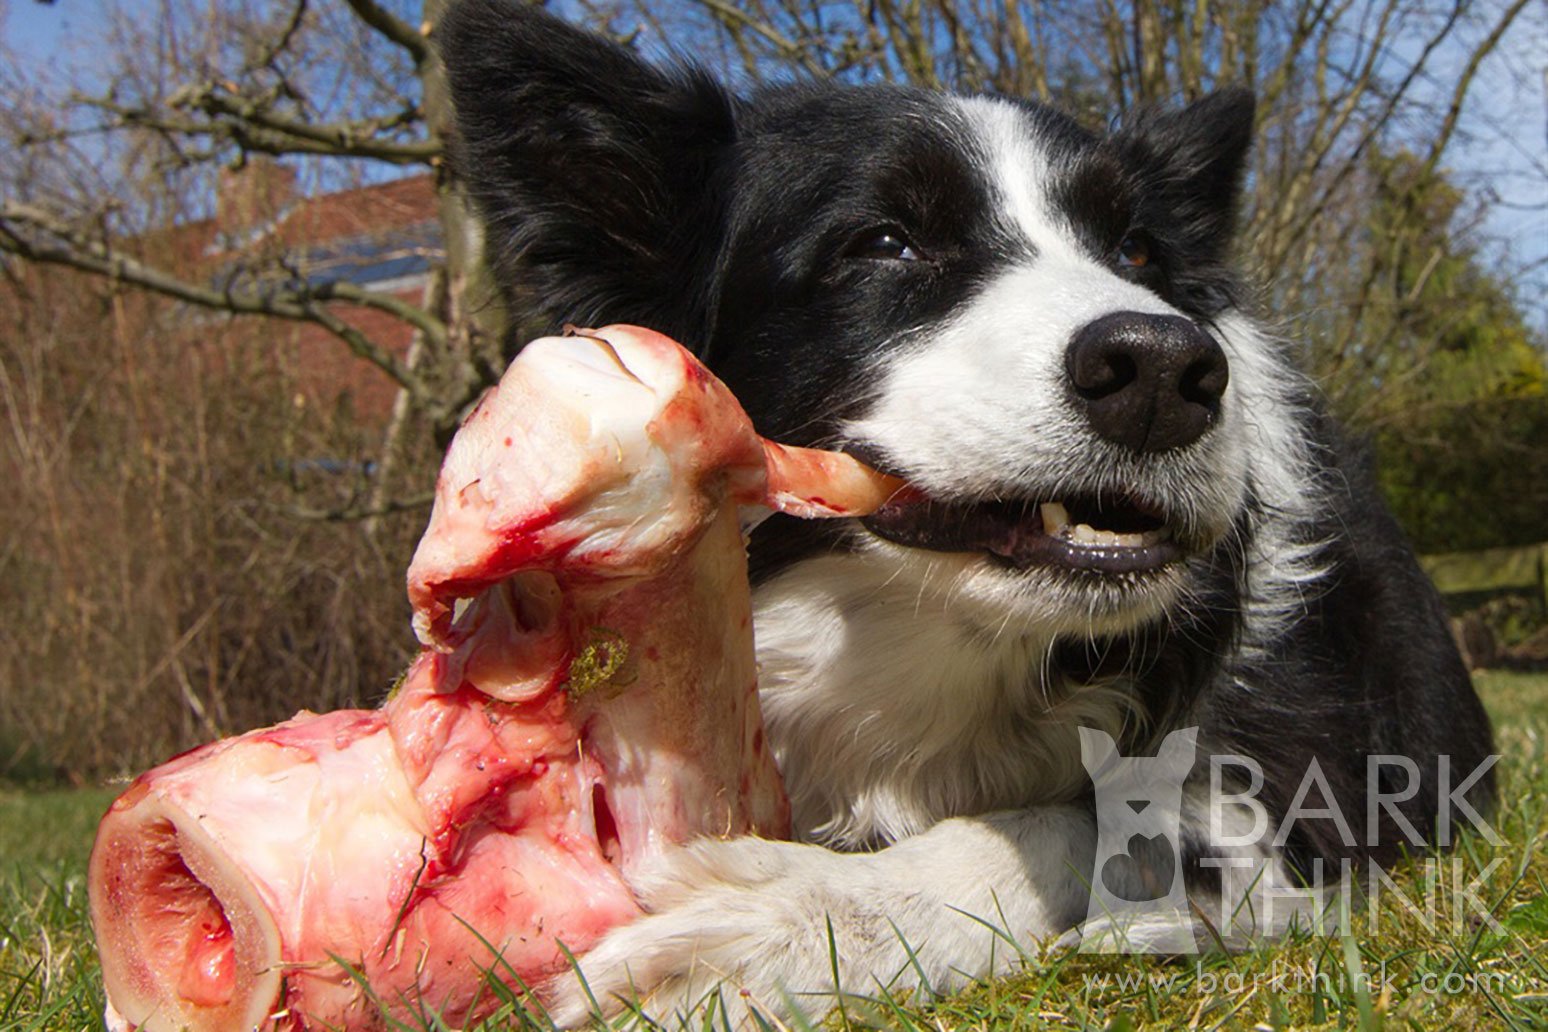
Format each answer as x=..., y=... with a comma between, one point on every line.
x=1129, y=540
x=1055, y=518
x=1084, y=533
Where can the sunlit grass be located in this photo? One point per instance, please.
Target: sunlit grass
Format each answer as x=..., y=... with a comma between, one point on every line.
x=48, y=965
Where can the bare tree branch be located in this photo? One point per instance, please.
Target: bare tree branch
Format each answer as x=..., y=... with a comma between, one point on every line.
x=281, y=43
x=254, y=126
x=392, y=27
x=1288, y=219
x=1459, y=93
x=54, y=242
x=735, y=19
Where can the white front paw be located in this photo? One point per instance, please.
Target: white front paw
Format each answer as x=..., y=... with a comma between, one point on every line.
x=743, y=922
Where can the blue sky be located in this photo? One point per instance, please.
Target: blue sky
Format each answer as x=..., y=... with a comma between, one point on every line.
x=40, y=30
x=1505, y=125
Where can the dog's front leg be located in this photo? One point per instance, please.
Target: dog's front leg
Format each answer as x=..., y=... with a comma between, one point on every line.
x=767, y=922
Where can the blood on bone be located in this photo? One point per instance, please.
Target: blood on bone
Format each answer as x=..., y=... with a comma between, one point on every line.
x=485, y=818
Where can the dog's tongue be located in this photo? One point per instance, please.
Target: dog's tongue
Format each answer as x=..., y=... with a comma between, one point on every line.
x=587, y=697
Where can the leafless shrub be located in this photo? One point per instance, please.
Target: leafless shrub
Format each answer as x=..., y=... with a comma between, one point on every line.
x=164, y=586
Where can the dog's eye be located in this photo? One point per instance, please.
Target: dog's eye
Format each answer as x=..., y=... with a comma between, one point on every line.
x=883, y=245
x=1135, y=250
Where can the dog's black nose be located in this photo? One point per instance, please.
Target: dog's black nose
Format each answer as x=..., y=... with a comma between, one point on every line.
x=1147, y=382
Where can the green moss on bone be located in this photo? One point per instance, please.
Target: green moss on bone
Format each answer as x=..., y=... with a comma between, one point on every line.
x=602, y=664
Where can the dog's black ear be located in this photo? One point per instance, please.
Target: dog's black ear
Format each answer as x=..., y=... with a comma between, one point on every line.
x=590, y=167
x=1190, y=163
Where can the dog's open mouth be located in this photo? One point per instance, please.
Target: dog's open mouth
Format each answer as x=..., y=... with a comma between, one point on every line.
x=1109, y=535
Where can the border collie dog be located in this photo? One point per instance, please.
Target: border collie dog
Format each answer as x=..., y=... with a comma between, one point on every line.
x=1135, y=520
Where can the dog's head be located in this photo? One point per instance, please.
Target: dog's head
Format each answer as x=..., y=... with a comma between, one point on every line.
x=1034, y=324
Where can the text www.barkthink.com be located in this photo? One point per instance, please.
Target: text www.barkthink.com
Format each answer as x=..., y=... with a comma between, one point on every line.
x=1293, y=979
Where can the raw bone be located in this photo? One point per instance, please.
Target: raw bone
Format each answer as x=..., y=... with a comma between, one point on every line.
x=586, y=698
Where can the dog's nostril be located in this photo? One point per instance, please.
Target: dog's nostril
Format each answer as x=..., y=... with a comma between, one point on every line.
x=1204, y=381
x=1147, y=382
x=1098, y=372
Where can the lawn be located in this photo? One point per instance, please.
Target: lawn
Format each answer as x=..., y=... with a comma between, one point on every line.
x=48, y=966
x=1405, y=975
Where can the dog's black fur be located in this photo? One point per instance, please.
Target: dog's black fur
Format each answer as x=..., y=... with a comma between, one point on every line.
x=804, y=239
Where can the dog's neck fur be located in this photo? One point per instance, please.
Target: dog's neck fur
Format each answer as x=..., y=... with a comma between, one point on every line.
x=890, y=710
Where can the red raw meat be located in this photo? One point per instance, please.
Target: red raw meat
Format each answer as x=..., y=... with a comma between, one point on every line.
x=586, y=698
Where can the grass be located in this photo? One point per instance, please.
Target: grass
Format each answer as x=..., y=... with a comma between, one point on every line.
x=48, y=965
x=1404, y=975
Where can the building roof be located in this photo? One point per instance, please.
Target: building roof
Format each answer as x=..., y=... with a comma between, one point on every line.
x=385, y=236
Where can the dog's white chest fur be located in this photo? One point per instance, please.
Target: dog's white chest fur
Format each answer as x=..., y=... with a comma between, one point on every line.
x=890, y=711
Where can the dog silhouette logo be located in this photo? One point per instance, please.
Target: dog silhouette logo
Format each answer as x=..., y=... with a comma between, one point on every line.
x=1138, y=902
